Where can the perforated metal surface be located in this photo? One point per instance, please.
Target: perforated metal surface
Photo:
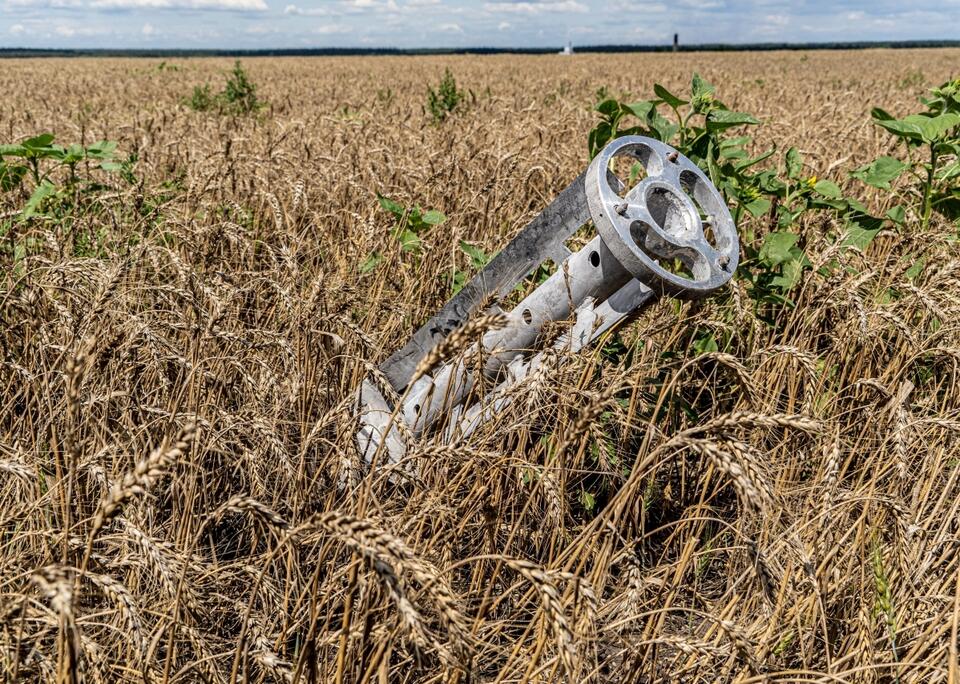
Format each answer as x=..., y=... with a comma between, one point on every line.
x=670, y=233
x=665, y=221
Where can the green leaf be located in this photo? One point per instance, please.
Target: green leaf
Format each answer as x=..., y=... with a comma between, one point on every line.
x=73, y=154
x=19, y=253
x=738, y=141
x=859, y=237
x=371, y=262
x=705, y=344
x=747, y=163
x=857, y=206
x=758, y=207
x=391, y=206
x=732, y=153
x=722, y=119
x=478, y=257
x=459, y=280
x=103, y=149
x=433, y=217
x=770, y=183
x=790, y=275
x=609, y=108
x=57, y=152
x=778, y=248
x=897, y=214
x=794, y=163
x=13, y=151
x=880, y=115
x=915, y=270
x=828, y=189
x=828, y=203
x=950, y=171
x=409, y=241
x=42, y=191
x=880, y=172
x=598, y=138
x=11, y=175
x=663, y=128
x=38, y=142
x=587, y=500
x=920, y=127
x=700, y=87
x=667, y=96
x=641, y=109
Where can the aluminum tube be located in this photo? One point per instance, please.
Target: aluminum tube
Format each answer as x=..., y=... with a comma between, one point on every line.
x=593, y=272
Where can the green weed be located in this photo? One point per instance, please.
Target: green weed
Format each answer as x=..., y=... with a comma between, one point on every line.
x=932, y=142
x=706, y=131
x=238, y=97
x=445, y=99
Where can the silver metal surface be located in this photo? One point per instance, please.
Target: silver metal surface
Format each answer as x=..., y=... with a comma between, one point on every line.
x=671, y=233
x=540, y=240
x=660, y=221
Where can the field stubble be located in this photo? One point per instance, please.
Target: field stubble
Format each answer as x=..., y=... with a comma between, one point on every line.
x=179, y=366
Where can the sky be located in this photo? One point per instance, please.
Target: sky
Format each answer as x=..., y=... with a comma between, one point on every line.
x=261, y=24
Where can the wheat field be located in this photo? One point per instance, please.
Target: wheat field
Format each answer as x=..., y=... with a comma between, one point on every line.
x=181, y=494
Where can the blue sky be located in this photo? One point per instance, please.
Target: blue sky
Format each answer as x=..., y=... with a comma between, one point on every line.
x=252, y=24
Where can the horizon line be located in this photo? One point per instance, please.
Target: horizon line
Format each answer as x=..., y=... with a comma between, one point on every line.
x=477, y=50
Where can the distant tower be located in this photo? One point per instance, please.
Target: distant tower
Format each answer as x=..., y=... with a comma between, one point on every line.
x=568, y=50
x=676, y=42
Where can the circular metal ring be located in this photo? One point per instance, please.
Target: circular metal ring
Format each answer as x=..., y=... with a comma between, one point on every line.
x=673, y=216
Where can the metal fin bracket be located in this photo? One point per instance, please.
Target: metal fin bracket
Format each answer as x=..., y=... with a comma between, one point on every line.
x=669, y=234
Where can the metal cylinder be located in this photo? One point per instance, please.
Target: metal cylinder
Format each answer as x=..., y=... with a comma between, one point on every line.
x=593, y=272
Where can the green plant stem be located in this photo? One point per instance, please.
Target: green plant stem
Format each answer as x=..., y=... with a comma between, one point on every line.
x=928, y=189
x=683, y=125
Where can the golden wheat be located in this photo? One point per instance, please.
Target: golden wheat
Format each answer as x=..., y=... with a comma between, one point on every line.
x=784, y=508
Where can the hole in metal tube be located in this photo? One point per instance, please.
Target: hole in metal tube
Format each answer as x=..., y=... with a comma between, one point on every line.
x=527, y=316
x=531, y=282
x=594, y=259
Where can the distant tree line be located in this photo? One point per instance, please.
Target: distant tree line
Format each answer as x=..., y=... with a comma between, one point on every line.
x=338, y=52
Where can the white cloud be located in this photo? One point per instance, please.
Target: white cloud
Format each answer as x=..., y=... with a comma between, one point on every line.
x=17, y=29
x=330, y=29
x=530, y=7
x=306, y=11
x=421, y=3
x=67, y=31
x=230, y=5
x=373, y=4
x=632, y=6
x=47, y=4
x=504, y=26
x=647, y=33
x=701, y=4
x=770, y=25
x=450, y=28
x=148, y=30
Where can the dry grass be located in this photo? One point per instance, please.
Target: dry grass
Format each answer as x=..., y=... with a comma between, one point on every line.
x=181, y=495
